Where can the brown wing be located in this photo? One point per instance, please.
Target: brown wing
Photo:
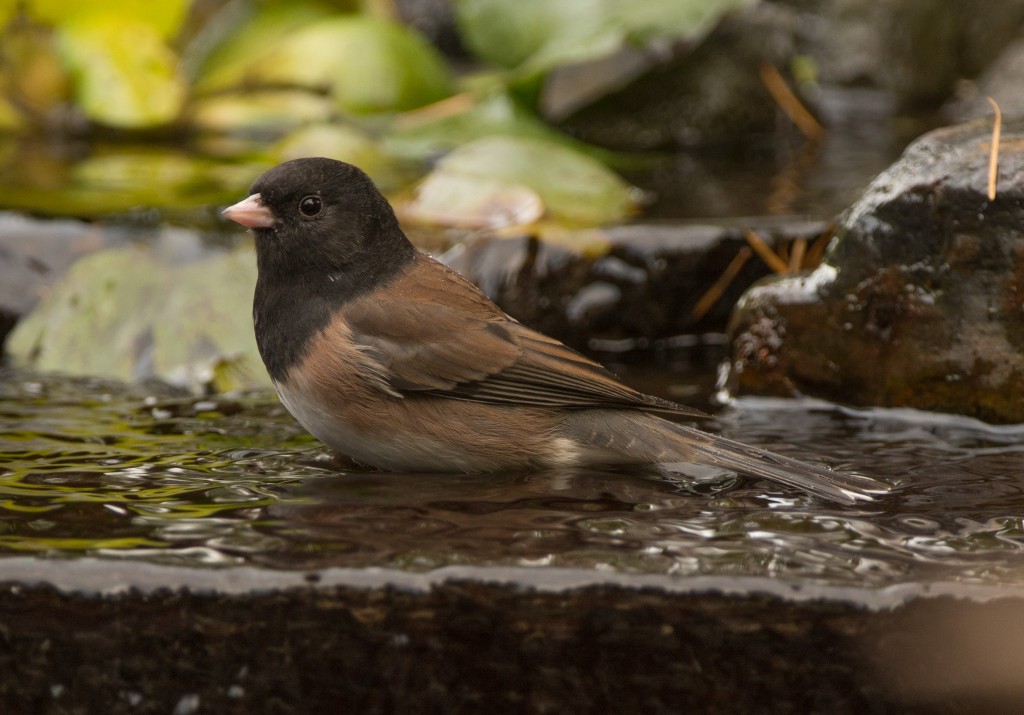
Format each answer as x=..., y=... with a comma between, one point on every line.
x=441, y=336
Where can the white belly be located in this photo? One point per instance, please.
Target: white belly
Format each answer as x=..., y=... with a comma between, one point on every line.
x=385, y=451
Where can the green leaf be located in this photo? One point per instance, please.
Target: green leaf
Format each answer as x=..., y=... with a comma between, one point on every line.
x=164, y=17
x=366, y=65
x=226, y=63
x=510, y=34
x=123, y=72
x=573, y=187
x=535, y=36
x=416, y=137
x=7, y=10
x=130, y=315
x=689, y=19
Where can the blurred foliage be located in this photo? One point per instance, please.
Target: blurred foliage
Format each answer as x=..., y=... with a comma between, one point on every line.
x=366, y=65
x=165, y=18
x=122, y=71
x=267, y=80
x=117, y=178
x=536, y=36
x=171, y=108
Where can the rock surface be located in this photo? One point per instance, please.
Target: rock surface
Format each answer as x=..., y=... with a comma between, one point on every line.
x=633, y=284
x=694, y=96
x=920, y=302
x=34, y=254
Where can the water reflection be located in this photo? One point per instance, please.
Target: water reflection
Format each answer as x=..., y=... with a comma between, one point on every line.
x=88, y=467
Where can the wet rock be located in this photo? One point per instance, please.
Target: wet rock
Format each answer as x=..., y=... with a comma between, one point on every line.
x=916, y=50
x=1001, y=81
x=34, y=254
x=920, y=302
x=987, y=28
x=435, y=20
x=628, y=285
x=689, y=96
x=907, y=48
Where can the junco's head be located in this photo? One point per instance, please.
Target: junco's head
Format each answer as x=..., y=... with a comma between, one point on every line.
x=319, y=215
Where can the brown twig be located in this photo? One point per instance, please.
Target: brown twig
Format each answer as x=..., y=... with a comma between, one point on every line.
x=790, y=104
x=714, y=293
x=381, y=9
x=993, y=157
x=816, y=252
x=766, y=253
x=796, y=254
x=442, y=109
x=782, y=251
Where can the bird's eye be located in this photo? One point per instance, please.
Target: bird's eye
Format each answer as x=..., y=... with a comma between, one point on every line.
x=311, y=205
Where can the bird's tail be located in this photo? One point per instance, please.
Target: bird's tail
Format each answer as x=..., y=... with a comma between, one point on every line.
x=821, y=481
x=652, y=439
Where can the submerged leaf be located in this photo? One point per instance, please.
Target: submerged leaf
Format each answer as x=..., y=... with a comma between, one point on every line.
x=453, y=199
x=124, y=314
x=573, y=187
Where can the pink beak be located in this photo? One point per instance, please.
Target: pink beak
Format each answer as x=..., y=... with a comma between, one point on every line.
x=251, y=213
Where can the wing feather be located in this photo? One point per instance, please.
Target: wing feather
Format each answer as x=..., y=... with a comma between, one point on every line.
x=441, y=336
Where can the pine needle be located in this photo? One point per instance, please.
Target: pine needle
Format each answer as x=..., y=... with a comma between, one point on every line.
x=714, y=293
x=790, y=104
x=441, y=109
x=816, y=252
x=796, y=255
x=767, y=254
x=993, y=157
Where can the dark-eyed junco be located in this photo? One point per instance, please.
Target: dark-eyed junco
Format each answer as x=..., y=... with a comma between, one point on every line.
x=398, y=362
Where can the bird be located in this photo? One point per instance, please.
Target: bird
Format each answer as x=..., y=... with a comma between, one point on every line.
x=396, y=361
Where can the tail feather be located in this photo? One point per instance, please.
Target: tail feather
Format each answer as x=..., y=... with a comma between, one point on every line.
x=650, y=439
x=821, y=481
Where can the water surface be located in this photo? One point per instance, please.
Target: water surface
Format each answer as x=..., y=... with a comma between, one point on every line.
x=99, y=469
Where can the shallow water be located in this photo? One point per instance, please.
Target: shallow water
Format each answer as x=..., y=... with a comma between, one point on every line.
x=89, y=468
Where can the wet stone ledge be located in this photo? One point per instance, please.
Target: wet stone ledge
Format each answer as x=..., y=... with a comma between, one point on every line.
x=466, y=646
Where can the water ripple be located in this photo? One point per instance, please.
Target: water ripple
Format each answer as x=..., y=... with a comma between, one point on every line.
x=100, y=469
